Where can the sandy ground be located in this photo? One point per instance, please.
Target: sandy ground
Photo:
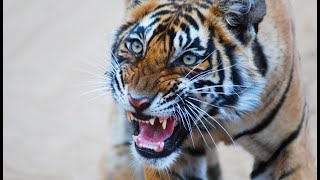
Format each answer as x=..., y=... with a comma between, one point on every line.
x=50, y=130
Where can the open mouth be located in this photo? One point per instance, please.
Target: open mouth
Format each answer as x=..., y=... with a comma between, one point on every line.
x=156, y=137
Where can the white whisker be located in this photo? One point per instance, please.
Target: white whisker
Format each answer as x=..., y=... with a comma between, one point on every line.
x=103, y=89
x=195, y=123
x=229, y=106
x=187, y=120
x=208, y=87
x=189, y=126
x=204, y=102
x=202, y=123
x=219, y=125
x=192, y=81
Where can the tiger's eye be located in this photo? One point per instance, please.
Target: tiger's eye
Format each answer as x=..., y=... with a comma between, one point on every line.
x=136, y=47
x=189, y=59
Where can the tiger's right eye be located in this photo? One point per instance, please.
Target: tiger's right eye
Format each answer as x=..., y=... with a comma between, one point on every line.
x=136, y=47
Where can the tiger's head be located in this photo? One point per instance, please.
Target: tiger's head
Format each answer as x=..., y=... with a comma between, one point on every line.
x=181, y=65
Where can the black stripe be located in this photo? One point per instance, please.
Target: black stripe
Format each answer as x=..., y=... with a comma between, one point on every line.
x=196, y=43
x=124, y=27
x=118, y=85
x=171, y=33
x=213, y=111
x=196, y=152
x=209, y=2
x=235, y=76
x=163, y=5
x=124, y=51
x=288, y=173
x=188, y=8
x=200, y=15
x=193, y=178
x=214, y=171
x=259, y=58
x=202, y=5
x=266, y=121
x=191, y=21
x=122, y=82
x=136, y=2
x=262, y=166
x=221, y=72
x=176, y=175
x=154, y=22
x=180, y=40
x=160, y=13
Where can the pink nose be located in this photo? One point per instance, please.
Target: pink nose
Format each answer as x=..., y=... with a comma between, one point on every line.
x=139, y=104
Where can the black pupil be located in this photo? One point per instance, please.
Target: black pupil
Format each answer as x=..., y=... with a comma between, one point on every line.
x=189, y=57
x=137, y=45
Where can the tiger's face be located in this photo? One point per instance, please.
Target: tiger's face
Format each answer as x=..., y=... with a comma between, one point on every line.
x=179, y=68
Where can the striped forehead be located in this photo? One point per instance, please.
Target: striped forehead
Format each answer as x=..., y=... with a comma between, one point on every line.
x=188, y=30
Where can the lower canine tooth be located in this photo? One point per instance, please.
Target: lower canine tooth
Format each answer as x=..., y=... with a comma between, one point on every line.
x=135, y=138
x=161, y=145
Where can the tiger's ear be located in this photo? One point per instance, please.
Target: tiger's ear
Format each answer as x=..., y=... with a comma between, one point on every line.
x=243, y=16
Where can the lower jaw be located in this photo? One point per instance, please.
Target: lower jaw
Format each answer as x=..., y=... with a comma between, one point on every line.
x=171, y=145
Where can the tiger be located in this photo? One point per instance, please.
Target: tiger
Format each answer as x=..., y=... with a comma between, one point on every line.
x=189, y=74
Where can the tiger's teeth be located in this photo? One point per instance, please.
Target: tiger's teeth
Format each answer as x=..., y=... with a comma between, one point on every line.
x=160, y=120
x=135, y=138
x=164, y=124
x=161, y=145
x=152, y=121
x=129, y=116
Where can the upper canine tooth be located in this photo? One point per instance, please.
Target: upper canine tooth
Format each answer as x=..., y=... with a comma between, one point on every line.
x=164, y=124
x=129, y=116
x=152, y=121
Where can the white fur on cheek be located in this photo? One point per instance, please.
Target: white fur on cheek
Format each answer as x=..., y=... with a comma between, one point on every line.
x=155, y=163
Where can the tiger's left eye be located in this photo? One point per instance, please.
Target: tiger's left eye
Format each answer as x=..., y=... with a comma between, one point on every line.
x=189, y=59
x=136, y=47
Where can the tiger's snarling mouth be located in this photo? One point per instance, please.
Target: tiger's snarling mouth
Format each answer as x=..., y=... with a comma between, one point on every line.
x=156, y=137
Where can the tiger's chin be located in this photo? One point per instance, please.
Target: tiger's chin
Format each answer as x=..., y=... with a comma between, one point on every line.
x=156, y=139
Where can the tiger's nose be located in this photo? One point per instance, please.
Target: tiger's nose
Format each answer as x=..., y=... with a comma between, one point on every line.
x=139, y=104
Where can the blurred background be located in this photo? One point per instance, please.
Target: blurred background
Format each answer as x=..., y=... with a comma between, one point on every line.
x=58, y=123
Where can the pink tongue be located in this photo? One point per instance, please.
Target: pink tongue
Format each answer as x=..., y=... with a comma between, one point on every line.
x=155, y=133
